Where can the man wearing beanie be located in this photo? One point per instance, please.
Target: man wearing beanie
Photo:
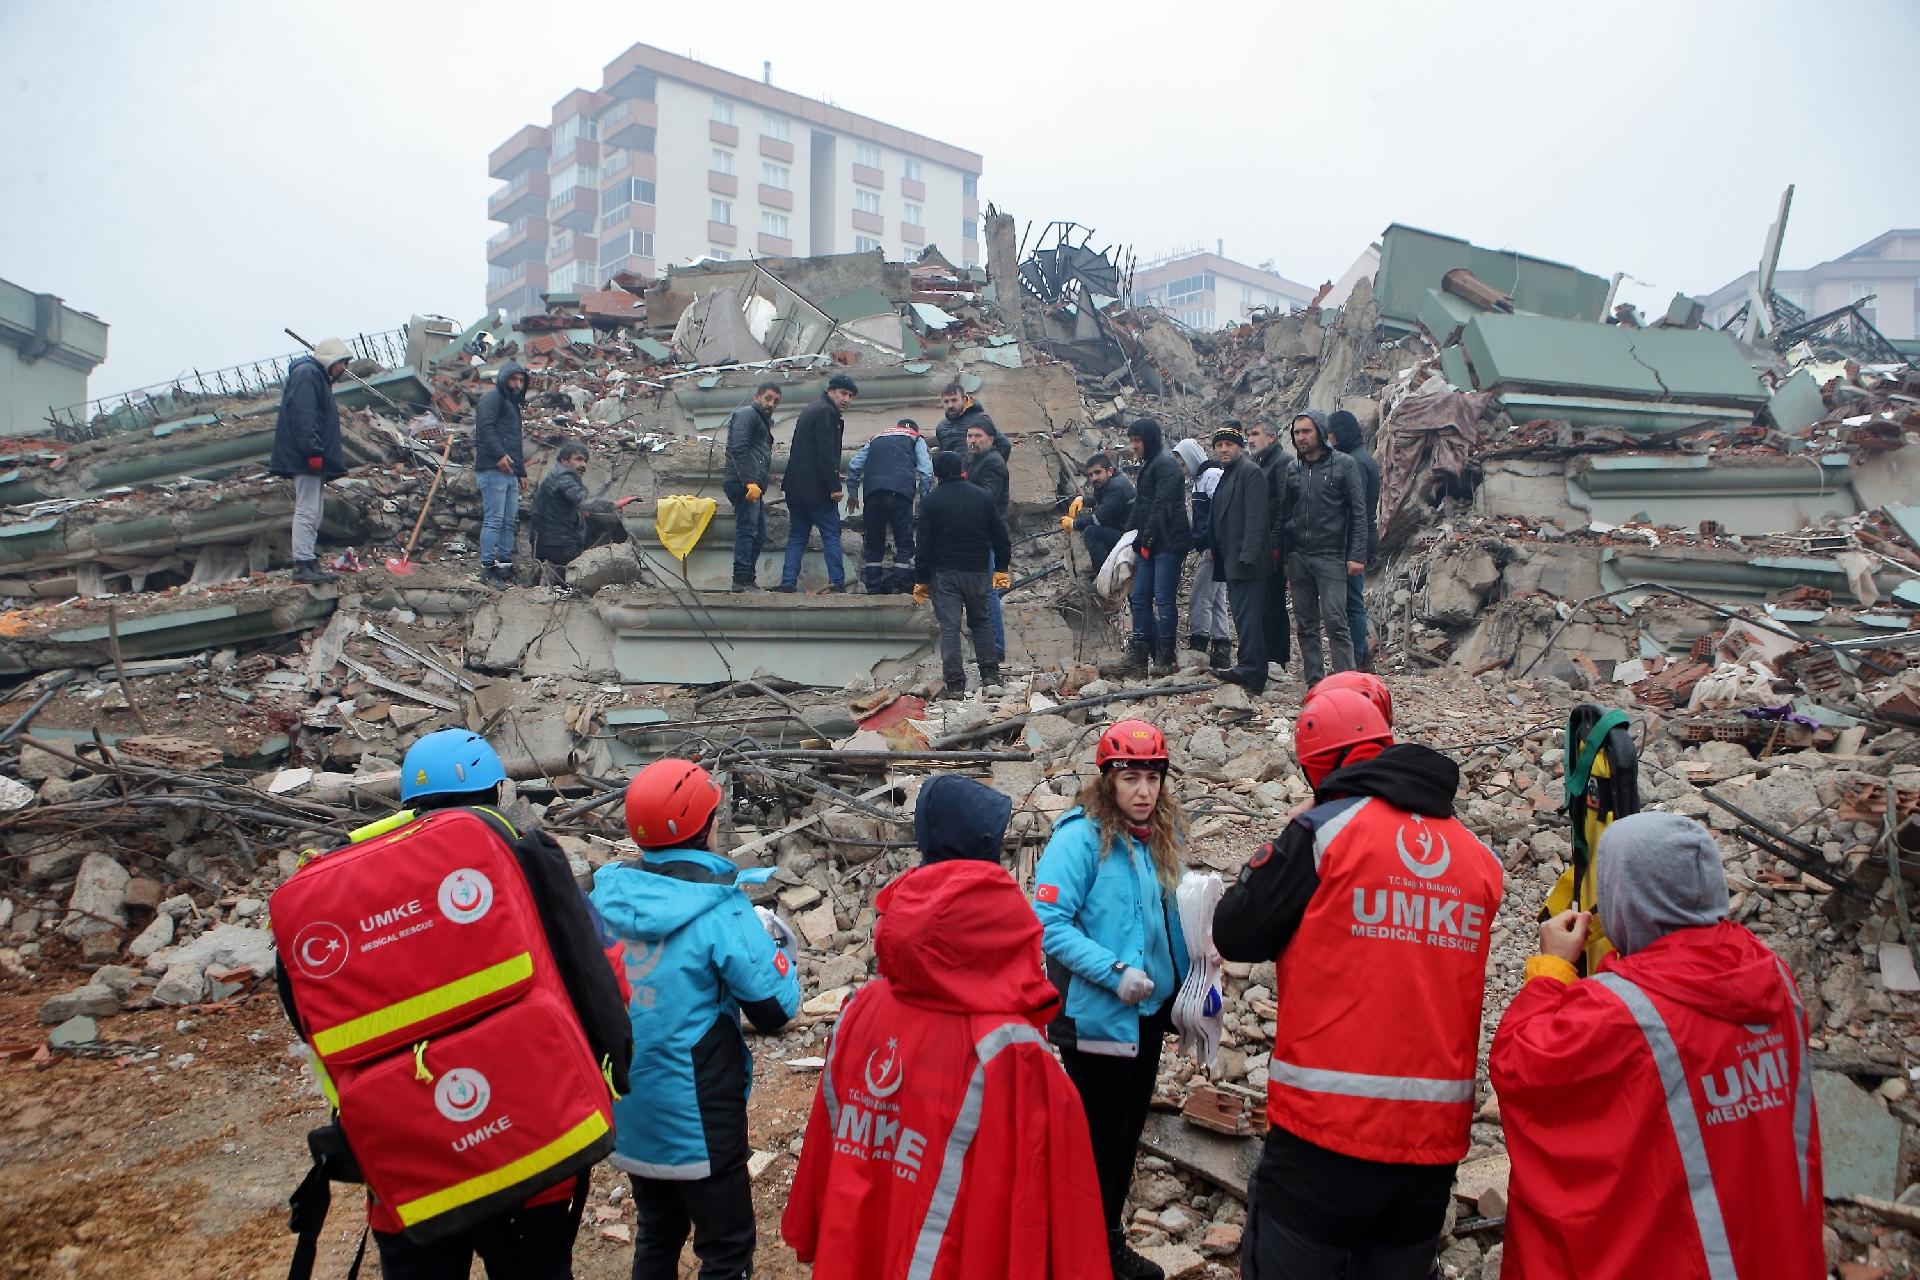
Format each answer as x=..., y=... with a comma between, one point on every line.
x=1242, y=551
x=1660, y=1113
x=812, y=483
x=306, y=446
x=945, y=1139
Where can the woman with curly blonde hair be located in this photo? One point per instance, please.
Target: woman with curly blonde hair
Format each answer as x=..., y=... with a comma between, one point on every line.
x=1104, y=892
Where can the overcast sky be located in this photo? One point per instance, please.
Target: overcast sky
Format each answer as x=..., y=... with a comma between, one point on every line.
x=200, y=174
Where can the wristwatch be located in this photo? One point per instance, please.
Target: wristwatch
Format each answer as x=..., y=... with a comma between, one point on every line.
x=1119, y=967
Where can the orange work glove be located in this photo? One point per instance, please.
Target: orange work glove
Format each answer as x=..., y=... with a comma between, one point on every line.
x=920, y=593
x=1001, y=581
x=753, y=493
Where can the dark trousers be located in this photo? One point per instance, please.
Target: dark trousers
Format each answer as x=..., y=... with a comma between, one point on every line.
x=802, y=519
x=719, y=1212
x=1357, y=615
x=1319, y=586
x=1155, y=597
x=529, y=1244
x=1278, y=630
x=956, y=593
x=1115, y=1093
x=1099, y=540
x=888, y=512
x=1248, y=600
x=1314, y=1214
x=749, y=530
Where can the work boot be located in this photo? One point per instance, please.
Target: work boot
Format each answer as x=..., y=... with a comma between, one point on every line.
x=951, y=691
x=1197, y=643
x=1165, y=657
x=1222, y=655
x=785, y=588
x=989, y=674
x=1128, y=1265
x=310, y=571
x=1132, y=663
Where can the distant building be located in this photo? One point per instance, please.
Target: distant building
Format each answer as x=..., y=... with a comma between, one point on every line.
x=671, y=160
x=47, y=349
x=1887, y=268
x=1211, y=291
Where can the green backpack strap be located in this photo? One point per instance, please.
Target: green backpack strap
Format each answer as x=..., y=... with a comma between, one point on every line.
x=1580, y=769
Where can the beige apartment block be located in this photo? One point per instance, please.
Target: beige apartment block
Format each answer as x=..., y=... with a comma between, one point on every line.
x=1211, y=291
x=1885, y=269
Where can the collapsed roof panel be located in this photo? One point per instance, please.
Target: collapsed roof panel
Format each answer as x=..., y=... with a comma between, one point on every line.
x=1413, y=261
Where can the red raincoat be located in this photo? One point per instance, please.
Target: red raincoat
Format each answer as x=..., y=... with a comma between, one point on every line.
x=945, y=1141
x=1660, y=1118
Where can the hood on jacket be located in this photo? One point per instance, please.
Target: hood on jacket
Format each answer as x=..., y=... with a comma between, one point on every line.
x=330, y=351
x=1191, y=453
x=1657, y=872
x=1149, y=432
x=1720, y=970
x=661, y=892
x=507, y=370
x=959, y=937
x=1319, y=420
x=1345, y=430
x=1412, y=778
x=959, y=818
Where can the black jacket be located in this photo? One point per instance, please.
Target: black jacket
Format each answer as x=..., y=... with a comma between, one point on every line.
x=1348, y=439
x=1241, y=528
x=308, y=425
x=959, y=529
x=1259, y=914
x=1273, y=460
x=989, y=470
x=1324, y=504
x=749, y=445
x=1160, y=505
x=1112, y=505
x=813, y=467
x=560, y=505
x=951, y=434
x=496, y=425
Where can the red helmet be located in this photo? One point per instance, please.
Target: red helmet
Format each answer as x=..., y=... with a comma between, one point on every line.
x=1371, y=686
x=1131, y=744
x=670, y=802
x=1332, y=724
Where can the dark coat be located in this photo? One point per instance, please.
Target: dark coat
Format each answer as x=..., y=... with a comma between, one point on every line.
x=1325, y=504
x=1160, y=505
x=1273, y=460
x=560, y=505
x=813, y=466
x=989, y=470
x=749, y=445
x=1242, y=529
x=308, y=425
x=1348, y=439
x=496, y=425
x=951, y=434
x=958, y=530
x=1112, y=506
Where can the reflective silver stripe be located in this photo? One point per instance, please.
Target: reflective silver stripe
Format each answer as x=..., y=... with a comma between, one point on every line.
x=1332, y=827
x=1355, y=1084
x=933, y=1230
x=664, y=1172
x=1686, y=1125
x=1803, y=1086
x=1108, y=1048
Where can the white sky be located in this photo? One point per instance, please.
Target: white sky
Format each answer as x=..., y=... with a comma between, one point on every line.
x=199, y=174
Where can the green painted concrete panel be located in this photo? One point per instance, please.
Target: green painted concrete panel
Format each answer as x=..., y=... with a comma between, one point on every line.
x=1540, y=353
x=1453, y=365
x=1413, y=261
x=1444, y=315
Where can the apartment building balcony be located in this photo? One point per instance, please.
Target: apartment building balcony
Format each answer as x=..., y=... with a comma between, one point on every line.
x=524, y=240
x=726, y=135
x=529, y=278
x=864, y=221
x=527, y=149
x=571, y=246
x=632, y=216
x=575, y=208
x=868, y=176
x=913, y=189
x=774, y=246
x=722, y=184
x=579, y=151
x=775, y=197
x=526, y=194
x=629, y=76
x=774, y=149
x=628, y=164
x=913, y=233
x=723, y=233
x=630, y=124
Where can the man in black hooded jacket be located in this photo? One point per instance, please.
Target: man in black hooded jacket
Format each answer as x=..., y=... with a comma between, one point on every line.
x=1163, y=536
x=1348, y=440
x=1324, y=523
x=500, y=468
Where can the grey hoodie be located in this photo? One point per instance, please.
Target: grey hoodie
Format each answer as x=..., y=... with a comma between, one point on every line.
x=1655, y=873
x=1323, y=504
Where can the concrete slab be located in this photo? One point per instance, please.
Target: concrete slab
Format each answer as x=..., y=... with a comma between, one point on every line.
x=1541, y=353
x=1859, y=1141
x=1413, y=261
x=1226, y=1162
x=815, y=640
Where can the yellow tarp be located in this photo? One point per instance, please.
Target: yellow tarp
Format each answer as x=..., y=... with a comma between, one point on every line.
x=679, y=519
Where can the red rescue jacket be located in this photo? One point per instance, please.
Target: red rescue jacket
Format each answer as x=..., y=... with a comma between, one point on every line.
x=1660, y=1118
x=945, y=1140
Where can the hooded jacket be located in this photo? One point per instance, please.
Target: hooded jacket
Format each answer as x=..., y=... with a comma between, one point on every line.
x=695, y=955
x=989, y=470
x=496, y=424
x=951, y=433
x=1242, y=526
x=1348, y=439
x=1324, y=503
x=308, y=425
x=749, y=445
x=956, y=817
x=1160, y=500
x=945, y=1141
x=813, y=465
x=1112, y=506
x=1203, y=475
x=560, y=504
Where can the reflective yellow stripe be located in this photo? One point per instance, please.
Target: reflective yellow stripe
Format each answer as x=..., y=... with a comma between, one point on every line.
x=576, y=1139
x=392, y=822
x=405, y=1013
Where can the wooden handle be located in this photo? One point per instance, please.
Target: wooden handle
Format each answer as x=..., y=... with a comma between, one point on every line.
x=446, y=451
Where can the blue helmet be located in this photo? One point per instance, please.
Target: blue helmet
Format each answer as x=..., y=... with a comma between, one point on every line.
x=449, y=761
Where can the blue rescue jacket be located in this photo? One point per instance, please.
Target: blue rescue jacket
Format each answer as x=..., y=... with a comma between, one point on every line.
x=695, y=953
x=1095, y=912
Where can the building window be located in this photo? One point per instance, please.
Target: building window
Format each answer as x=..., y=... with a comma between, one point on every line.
x=613, y=163
x=615, y=251
x=777, y=176
x=723, y=161
x=718, y=254
x=779, y=128
x=867, y=201
x=1187, y=288
x=721, y=211
x=571, y=130
x=615, y=199
x=560, y=246
x=867, y=154
x=969, y=230
x=773, y=224
x=912, y=216
x=970, y=185
x=865, y=244
x=912, y=169
x=723, y=110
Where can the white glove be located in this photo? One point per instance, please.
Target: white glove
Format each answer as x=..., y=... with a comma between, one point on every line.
x=1135, y=986
x=779, y=930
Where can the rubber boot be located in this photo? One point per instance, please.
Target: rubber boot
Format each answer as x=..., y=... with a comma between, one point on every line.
x=1222, y=655
x=1166, y=658
x=1128, y=1265
x=1132, y=663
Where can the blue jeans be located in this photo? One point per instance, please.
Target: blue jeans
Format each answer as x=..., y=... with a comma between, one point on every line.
x=500, y=515
x=802, y=519
x=994, y=617
x=749, y=530
x=1156, y=596
x=1357, y=614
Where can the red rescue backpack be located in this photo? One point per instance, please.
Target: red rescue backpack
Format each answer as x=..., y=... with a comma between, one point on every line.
x=417, y=968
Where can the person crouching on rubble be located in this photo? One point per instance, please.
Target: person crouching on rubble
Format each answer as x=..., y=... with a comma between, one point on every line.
x=1101, y=526
x=1660, y=1113
x=560, y=509
x=1376, y=906
x=945, y=1142
x=698, y=954
x=1104, y=892
x=306, y=446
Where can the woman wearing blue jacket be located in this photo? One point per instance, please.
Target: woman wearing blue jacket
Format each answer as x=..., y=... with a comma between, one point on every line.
x=1104, y=892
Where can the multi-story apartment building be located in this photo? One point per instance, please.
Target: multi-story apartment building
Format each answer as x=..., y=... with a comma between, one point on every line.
x=1885, y=268
x=1210, y=290
x=671, y=160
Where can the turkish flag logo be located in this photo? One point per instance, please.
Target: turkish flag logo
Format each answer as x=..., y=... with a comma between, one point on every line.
x=1047, y=893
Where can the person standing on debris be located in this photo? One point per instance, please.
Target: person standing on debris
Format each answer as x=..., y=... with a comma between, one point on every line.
x=976, y=1164
x=959, y=411
x=1348, y=439
x=885, y=475
x=561, y=505
x=1207, y=626
x=1112, y=510
x=306, y=446
x=748, y=472
x=1324, y=522
x=1659, y=1114
x=812, y=483
x=961, y=534
x=500, y=467
x=1263, y=442
x=1376, y=906
x=1104, y=892
x=987, y=468
x=1163, y=538
x=698, y=955
x=1242, y=556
